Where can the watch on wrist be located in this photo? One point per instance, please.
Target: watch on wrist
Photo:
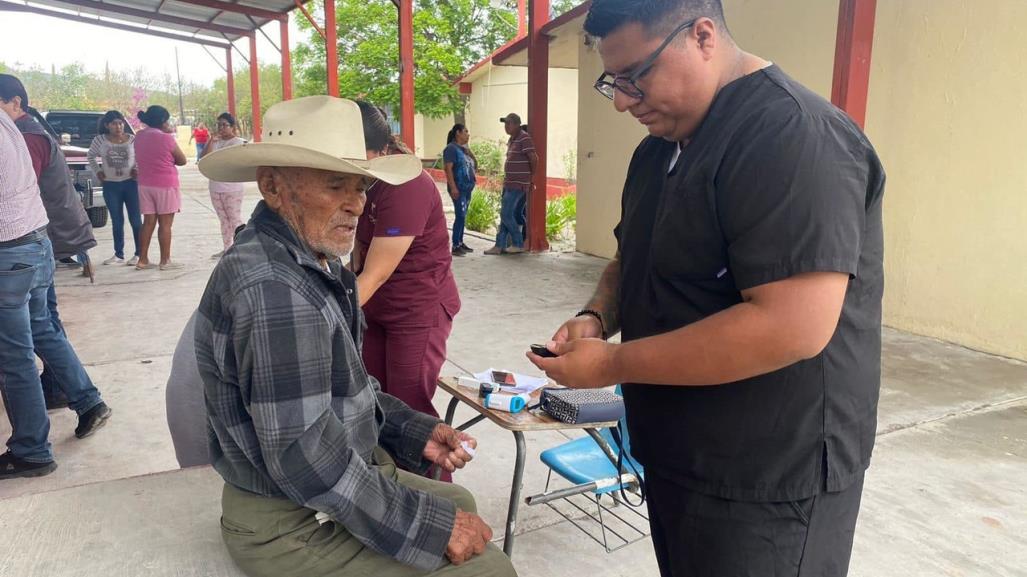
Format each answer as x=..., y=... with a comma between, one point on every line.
x=598, y=317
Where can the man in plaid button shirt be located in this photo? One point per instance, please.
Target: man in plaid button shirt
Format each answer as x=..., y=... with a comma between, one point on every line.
x=308, y=444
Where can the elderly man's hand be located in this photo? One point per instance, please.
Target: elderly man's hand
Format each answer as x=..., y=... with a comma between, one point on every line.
x=445, y=450
x=469, y=538
x=583, y=363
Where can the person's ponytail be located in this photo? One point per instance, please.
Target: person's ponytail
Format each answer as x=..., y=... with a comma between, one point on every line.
x=397, y=146
x=451, y=137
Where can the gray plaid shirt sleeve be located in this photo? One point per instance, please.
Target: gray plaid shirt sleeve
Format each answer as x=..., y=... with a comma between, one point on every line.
x=287, y=354
x=405, y=432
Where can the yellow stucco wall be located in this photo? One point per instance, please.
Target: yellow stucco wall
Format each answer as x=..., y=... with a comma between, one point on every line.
x=182, y=134
x=504, y=89
x=948, y=115
x=606, y=139
x=430, y=135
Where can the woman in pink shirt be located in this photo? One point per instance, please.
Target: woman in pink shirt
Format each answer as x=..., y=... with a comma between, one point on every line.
x=157, y=155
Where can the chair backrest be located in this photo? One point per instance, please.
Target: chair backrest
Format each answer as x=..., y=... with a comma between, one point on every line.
x=625, y=437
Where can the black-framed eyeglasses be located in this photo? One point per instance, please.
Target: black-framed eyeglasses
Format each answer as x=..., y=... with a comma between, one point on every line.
x=608, y=83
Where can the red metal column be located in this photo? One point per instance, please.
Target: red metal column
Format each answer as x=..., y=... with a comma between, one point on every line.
x=406, y=71
x=852, y=50
x=331, y=48
x=283, y=24
x=231, y=81
x=255, y=87
x=538, y=120
x=522, y=18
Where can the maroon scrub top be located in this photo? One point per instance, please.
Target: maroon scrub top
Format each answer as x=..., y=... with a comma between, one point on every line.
x=423, y=281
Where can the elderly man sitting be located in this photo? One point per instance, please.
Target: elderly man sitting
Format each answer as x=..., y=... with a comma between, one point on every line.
x=299, y=429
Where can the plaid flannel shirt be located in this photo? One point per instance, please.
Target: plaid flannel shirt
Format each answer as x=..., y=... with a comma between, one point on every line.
x=292, y=410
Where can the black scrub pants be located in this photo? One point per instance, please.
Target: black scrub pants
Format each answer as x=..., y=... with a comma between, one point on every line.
x=697, y=535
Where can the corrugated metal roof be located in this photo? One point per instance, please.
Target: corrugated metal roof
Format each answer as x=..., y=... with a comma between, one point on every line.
x=209, y=19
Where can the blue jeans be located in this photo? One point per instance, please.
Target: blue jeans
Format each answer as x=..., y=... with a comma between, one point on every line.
x=51, y=390
x=522, y=214
x=119, y=196
x=460, y=210
x=199, y=150
x=509, y=228
x=26, y=276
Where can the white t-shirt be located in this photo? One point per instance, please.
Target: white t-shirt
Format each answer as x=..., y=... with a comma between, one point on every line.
x=223, y=187
x=118, y=159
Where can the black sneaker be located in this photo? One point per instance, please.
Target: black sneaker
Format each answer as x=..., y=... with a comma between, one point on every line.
x=12, y=467
x=466, y=248
x=92, y=420
x=457, y=251
x=68, y=262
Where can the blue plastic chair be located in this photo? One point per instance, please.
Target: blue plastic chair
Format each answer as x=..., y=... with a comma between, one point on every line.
x=581, y=462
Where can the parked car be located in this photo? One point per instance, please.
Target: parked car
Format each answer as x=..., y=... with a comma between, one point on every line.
x=79, y=125
x=89, y=188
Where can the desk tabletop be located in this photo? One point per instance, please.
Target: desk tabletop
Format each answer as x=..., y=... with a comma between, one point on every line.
x=536, y=420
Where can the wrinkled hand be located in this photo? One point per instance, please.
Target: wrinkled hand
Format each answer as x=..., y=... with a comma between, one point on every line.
x=101, y=176
x=469, y=537
x=583, y=363
x=134, y=173
x=583, y=327
x=444, y=450
x=454, y=194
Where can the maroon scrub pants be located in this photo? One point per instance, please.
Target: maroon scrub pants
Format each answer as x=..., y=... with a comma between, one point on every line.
x=407, y=360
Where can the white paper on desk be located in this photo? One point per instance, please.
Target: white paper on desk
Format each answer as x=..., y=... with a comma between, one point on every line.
x=525, y=384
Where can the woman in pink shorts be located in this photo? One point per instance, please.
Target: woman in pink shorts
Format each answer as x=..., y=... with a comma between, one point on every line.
x=157, y=155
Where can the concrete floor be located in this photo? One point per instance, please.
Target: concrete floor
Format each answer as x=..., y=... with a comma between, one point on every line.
x=945, y=495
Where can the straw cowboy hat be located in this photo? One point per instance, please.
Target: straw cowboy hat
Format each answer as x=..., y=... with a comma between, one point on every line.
x=313, y=132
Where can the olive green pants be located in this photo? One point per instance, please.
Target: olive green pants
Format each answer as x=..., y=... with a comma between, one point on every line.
x=274, y=537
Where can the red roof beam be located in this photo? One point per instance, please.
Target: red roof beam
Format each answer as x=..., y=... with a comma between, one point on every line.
x=116, y=9
x=310, y=19
x=237, y=8
x=11, y=7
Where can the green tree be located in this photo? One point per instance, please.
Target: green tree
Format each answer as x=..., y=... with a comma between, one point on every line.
x=214, y=100
x=449, y=37
x=558, y=7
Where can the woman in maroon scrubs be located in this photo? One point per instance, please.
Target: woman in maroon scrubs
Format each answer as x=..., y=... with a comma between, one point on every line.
x=404, y=277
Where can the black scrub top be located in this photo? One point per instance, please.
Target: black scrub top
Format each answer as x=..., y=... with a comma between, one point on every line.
x=776, y=182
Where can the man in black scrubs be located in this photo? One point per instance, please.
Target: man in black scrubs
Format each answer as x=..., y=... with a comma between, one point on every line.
x=747, y=290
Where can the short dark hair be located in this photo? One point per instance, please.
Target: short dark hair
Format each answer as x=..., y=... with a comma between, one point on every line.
x=227, y=117
x=606, y=16
x=155, y=116
x=107, y=118
x=10, y=87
